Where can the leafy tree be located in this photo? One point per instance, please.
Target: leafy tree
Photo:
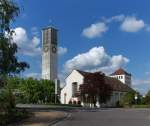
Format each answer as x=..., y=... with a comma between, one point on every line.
x=8, y=12
x=146, y=99
x=48, y=90
x=128, y=98
x=31, y=90
x=7, y=100
x=36, y=91
x=95, y=86
x=9, y=63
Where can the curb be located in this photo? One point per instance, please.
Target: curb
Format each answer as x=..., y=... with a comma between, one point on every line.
x=53, y=123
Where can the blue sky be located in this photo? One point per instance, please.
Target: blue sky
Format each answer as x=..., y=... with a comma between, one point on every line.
x=93, y=35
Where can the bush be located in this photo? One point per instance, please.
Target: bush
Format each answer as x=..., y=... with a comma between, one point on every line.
x=7, y=100
x=12, y=117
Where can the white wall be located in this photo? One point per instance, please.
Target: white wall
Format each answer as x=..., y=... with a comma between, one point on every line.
x=75, y=76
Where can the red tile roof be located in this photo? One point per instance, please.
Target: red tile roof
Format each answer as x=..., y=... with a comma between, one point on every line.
x=121, y=72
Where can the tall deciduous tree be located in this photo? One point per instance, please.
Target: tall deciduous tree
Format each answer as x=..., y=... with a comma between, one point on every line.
x=9, y=63
x=95, y=86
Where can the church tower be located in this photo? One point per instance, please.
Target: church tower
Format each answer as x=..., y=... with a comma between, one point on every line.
x=49, y=53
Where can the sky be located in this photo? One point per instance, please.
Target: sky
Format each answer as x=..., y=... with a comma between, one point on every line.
x=94, y=35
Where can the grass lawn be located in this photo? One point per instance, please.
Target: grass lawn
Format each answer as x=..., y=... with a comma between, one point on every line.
x=141, y=106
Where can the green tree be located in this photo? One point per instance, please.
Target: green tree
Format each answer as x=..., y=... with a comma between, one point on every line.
x=31, y=90
x=37, y=91
x=9, y=64
x=146, y=99
x=8, y=12
x=49, y=90
x=128, y=98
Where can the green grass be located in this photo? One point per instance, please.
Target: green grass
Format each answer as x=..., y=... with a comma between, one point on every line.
x=140, y=106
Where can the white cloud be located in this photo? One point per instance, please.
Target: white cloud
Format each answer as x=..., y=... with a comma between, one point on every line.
x=26, y=45
x=96, y=59
x=118, y=18
x=95, y=30
x=62, y=51
x=140, y=82
x=141, y=85
x=131, y=24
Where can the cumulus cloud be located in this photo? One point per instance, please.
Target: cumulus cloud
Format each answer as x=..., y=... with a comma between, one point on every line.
x=26, y=45
x=132, y=24
x=62, y=51
x=95, y=30
x=127, y=24
x=96, y=59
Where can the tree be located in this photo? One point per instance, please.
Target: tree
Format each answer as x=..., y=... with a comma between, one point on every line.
x=8, y=12
x=36, y=91
x=128, y=98
x=95, y=87
x=9, y=64
x=146, y=99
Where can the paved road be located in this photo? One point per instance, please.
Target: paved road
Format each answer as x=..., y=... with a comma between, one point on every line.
x=108, y=117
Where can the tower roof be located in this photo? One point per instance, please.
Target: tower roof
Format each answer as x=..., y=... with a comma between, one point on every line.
x=121, y=71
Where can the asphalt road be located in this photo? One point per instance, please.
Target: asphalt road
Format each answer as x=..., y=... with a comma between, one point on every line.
x=108, y=117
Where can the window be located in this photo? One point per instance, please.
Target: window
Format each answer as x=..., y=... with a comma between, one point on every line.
x=74, y=89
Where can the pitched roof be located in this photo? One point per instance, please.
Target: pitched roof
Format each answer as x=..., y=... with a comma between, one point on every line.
x=121, y=71
x=83, y=72
x=115, y=84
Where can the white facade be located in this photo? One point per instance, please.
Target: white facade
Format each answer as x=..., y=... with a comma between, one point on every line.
x=49, y=53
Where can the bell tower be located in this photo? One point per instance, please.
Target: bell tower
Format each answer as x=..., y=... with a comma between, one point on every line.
x=49, y=53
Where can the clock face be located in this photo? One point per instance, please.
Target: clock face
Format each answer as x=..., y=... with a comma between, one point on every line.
x=54, y=50
x=45, y=49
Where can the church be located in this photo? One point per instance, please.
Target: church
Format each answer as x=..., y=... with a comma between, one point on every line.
x=119, y=81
